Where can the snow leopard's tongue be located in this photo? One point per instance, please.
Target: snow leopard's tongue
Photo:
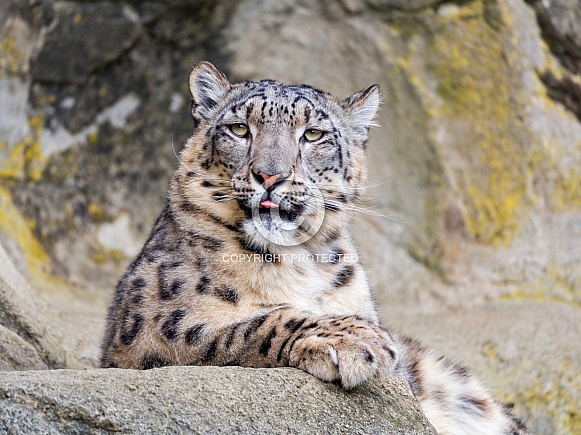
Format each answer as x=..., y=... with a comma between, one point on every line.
x=269, y=204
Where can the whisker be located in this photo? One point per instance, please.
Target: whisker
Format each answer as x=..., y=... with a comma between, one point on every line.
x=375, y=213
x=336, y=205
x=361, y=197
x=180, y=160
x=371, y=186
x=310, y=207
x=314, y=208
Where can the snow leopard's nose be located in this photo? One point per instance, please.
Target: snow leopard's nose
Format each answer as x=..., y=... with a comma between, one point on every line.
x=269, y=180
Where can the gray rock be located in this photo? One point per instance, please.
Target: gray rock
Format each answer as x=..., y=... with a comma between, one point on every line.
x=17, y=354
x=26, y=315
x=83, y=39
x=34, y=334
x=560, y=22
x=402, y=5
x=524, y=350
x=202, y=400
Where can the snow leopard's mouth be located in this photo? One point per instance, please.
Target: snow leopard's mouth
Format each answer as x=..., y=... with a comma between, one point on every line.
x=271, y=208
x=268, y=215
x=269, y=204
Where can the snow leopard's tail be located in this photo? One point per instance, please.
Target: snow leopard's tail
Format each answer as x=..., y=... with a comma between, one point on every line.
x=451, y=397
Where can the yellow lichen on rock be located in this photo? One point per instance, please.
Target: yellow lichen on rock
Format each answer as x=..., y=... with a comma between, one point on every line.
x=25, y=158
x=92, y=139
x=463, y=70
x=104, y=255
x=13, y=166
x=480, y=101
x=548, y=400
x=36, y=260
x=567, y=192
x=13, y=223
x=556, y=398
x=16, y=46
x=559, y=283
x=34, y=159
x=10, y=57
x=97, y=212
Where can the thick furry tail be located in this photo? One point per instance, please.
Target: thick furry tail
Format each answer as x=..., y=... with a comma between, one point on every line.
x=451, y=397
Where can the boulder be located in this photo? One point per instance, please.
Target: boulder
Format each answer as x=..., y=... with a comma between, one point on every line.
x=17, y=354
x=34, y=334
x=202, y=400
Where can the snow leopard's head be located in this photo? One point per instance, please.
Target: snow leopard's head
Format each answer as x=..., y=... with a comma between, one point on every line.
x=281, y=162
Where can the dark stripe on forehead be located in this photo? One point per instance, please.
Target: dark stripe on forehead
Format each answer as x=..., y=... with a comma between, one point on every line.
x=321, y=114
x=306, y=88
x=259, y=94
x=301, y=98
x=240, y=102
x=258, y=90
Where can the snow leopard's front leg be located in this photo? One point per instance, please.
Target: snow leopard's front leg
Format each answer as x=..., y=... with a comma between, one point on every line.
x=348, y=349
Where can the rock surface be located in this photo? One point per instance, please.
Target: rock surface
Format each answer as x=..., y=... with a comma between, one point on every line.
x=524, y=350
x=17, y=354
x=36, y=335
x=202, y=400
x=480, y=153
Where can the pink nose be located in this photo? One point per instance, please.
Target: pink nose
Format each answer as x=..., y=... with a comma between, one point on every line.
x=269, y=180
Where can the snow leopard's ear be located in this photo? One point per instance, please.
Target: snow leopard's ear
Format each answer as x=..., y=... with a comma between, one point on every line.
x=362, y=106
x=208, y=86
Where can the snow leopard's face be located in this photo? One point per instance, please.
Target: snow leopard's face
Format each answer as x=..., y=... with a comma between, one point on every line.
x=290, y=157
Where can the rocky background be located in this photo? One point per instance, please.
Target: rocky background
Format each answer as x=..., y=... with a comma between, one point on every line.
x=479, y=153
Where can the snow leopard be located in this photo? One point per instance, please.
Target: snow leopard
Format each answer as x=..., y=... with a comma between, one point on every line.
x=251, y=262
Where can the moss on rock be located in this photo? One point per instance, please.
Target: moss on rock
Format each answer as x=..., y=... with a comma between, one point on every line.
x=480, y=97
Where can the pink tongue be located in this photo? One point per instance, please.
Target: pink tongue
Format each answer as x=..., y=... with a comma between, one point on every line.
x=269, y=204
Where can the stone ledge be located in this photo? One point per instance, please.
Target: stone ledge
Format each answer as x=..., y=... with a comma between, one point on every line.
x=202, y=400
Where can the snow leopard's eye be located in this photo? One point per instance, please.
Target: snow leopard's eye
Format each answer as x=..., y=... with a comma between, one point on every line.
x=312, y=135
x=239, y=129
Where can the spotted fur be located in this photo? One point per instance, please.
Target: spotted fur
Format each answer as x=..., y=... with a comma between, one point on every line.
x=185, y=301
